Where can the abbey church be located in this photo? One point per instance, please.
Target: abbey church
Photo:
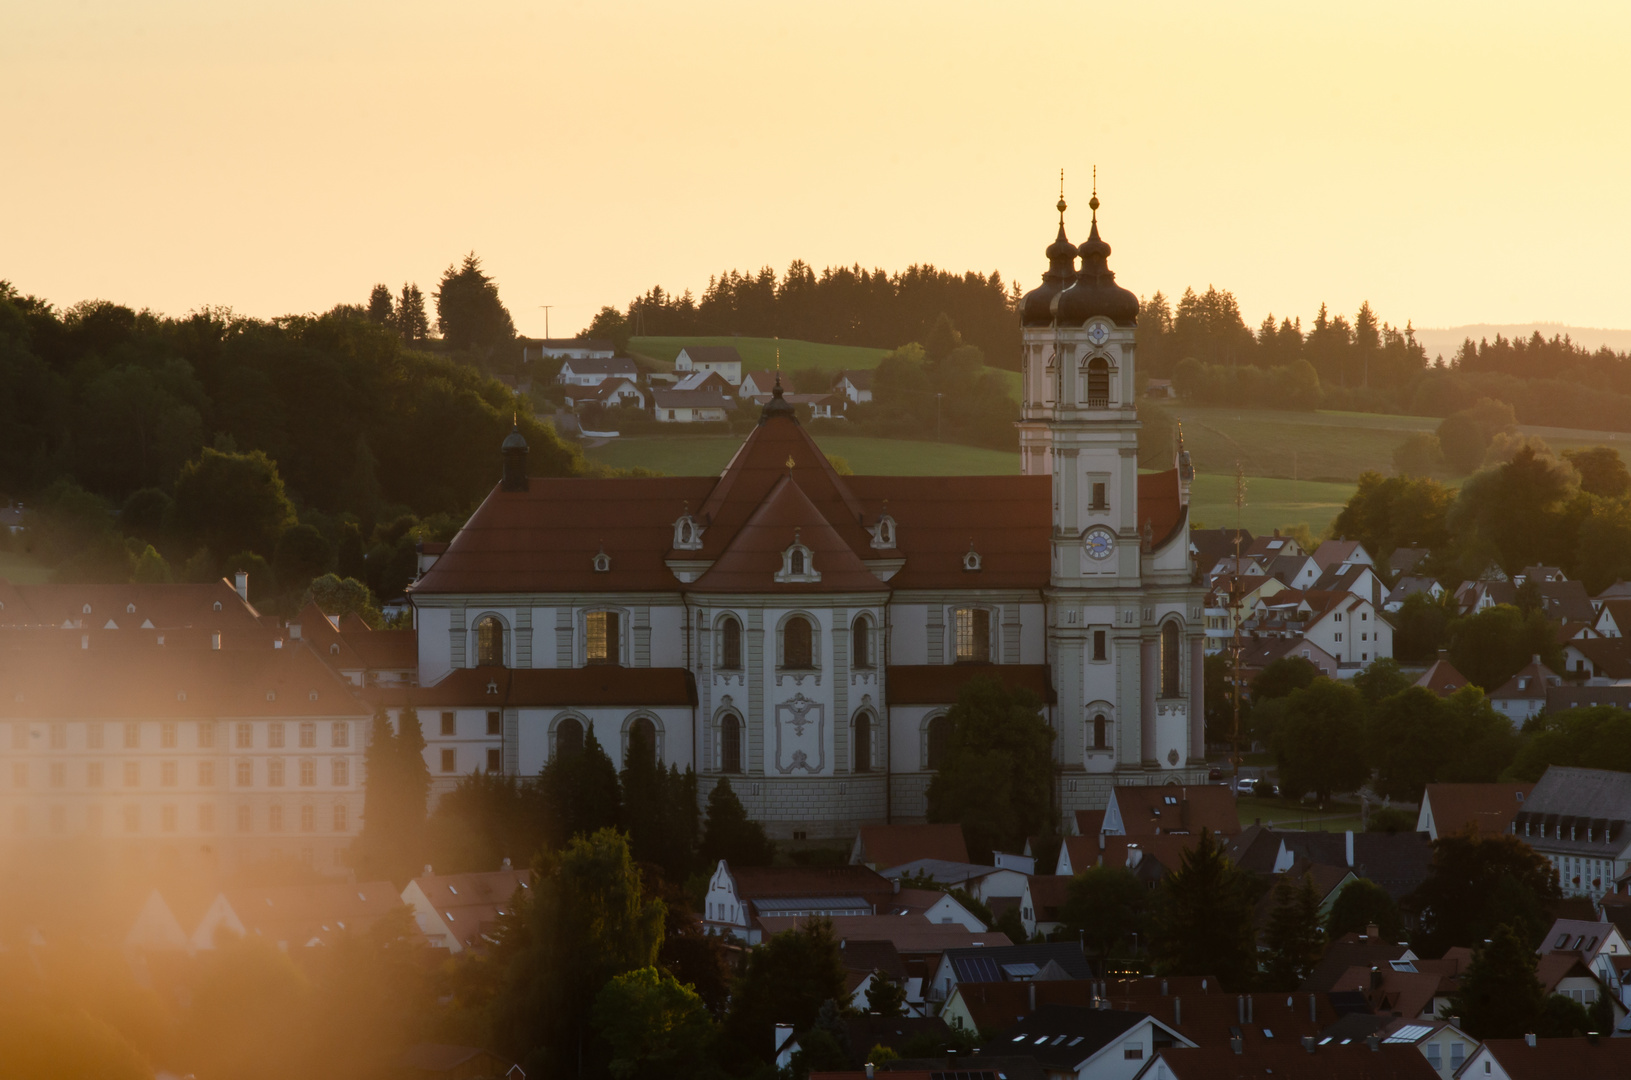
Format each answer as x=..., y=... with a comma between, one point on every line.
x=804, y=633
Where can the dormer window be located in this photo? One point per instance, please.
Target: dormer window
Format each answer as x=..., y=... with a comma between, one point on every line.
x=603, y=561
x=798, y=563
x=883, y=533
x=130, y=609
x=971, y=560
x=687, y=533
x=86, y=610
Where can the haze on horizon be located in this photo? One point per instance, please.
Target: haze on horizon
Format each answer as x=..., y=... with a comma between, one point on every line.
x=1450, y=163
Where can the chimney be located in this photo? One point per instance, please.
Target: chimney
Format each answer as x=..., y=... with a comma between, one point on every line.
x=1163, y=988
x=428, y=871
x=507, y=862
x=1249, y=1009
x=85, y=641
x=1240, y=1009
x=215, y=641
x=1374, y=1042
x=1351, y=853
x=1177, y=1012
x=1371, y=930
x=1031, y=988
x=242, y=580
x=869, y=1070
x=1455, y=1021
x=294, y=631
x=1529, y=1039
x=1313, y=1007
x=1308, y=1043
x=1235, y=1044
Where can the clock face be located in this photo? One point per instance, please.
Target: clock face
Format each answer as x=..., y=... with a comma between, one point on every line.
x=1099, y=544
x=1098, y=333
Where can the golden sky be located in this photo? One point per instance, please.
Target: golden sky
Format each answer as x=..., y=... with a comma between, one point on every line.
x=1451, y=163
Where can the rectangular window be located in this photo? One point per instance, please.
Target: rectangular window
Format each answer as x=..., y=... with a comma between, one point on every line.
x=246, y=773
x=450, y=759
x=59, y=774
x=308, y=773
x=206, y=735
x=167, y=735
x=274, y=734
x=1100, y=502
x=133, y=736
x=1101, y=645
x=601, y=637
x=93, y=736
x=167, y=773
x=449, y=724
x=93, y=774
x=1339, y=635
x=206, y=817
x=245, y=819
x=206, y=774
x=1458, y=1054
x=133, y=773
x=973, y=626
x=274, y=772
x=167, y=818
x=494, y=724
x=308, y=736
x=340, y=816
x=133, y=818
x=308, y=819
x=1435, y=1056
x=246, y=737
x=59, y=736
x=495, y=759
x=340, y=772
x=340, y=734
x=1132, y=1051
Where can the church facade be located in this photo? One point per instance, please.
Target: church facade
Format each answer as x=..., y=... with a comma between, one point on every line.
x=804, y=633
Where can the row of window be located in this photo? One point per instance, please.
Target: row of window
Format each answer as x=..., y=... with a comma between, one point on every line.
x=96, y=734
x=170, y=773
x=450, y=724
x=730, y=743
x=131, y=818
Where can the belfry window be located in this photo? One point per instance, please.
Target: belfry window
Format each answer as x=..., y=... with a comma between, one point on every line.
x=489, y=642
x=600, y=637
x=1170, y=661
x=973, y=630
x=797, y=643
x=1098, y=384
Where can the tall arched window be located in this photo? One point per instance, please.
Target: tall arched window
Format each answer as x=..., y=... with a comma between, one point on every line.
x=1170, y=665
x=490, y=642
x=568, y=737
x=1100, y=732
x=642, y=740
x=797, y=651
x=863, y=743
x=796, y=562
x=730, y=744
x=1098, y=383
x=730, y=644
x=939, y=741
x=861, y=643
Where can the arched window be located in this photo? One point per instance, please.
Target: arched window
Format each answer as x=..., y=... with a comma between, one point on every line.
x=797, y=641
x=796, y=561
x=939, y=741
x=1170, y=666
x=861, y=643
x=730, y=644
x=1098, y=383
x=490, y=642
x=568, y=737
x=642, y=740
x=730, y=744
x=973, y=630
x=1100, y=732
x=863, y=743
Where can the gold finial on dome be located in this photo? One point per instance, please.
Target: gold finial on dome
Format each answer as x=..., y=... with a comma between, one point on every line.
x=1093, y=203
x=1061, y=196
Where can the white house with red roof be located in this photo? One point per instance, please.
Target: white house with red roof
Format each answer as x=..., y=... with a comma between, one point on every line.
x=804, y=634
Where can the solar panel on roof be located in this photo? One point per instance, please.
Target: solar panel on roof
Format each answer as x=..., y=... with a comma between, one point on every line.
x=976, y=969
x=1409, y=1033
x=1020, y=970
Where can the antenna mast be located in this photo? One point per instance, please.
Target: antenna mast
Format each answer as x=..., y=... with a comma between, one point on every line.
x=1236, y=587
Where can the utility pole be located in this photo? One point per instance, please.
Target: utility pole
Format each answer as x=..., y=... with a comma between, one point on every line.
x=546, y=308
x=1236, y=586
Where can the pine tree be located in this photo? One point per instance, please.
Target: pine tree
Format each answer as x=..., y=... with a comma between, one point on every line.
x=1500, y=996
x=580, y=792
x=1294, y=938
x=379, y=306
x=411, y=319
x=412, y=783
x=1205, y=912
x=730, y=835
x=373, y=852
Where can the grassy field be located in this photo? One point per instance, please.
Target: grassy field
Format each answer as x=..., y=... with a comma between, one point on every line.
x=1340, y=817
x=1333, y=446
x=759, y=354
x=1270, y=503
x=706, y=455
x=21, y=569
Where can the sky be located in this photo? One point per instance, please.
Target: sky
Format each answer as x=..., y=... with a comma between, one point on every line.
x=1448, y=162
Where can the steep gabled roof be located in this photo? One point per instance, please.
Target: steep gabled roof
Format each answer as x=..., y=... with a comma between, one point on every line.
x=1442, y=678
x=1488, y=808
x=754, y=557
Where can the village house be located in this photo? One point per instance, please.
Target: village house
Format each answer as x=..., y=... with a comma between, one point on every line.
x=1577, y=819
x=1524, y=695
x=761, y=384
x=855, y=386
x=1441, y=677
x=704, y=380
x=461, y=911
x=593, y=372
x=611, y=393
x=738, y=898
x=1530, y=1058
x=689, y=406
x=882, y=847
x=1088, y=1044
x=722, y=359
x=567, y=348
x=1451, y=809
x=1006, y=963
x=1325, y=1057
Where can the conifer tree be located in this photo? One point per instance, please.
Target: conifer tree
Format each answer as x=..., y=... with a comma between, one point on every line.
x=372, y=852
x=730, y=835
x=580, y=792
x=1204, y=917
x=1500, y=996
x=1294, y=938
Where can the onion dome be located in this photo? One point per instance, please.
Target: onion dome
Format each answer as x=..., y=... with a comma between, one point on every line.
x=1036, y=309
x=777, y=405
x=1096, y=292
x=515, y=460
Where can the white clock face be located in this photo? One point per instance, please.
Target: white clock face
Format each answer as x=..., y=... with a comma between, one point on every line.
x=1099, y=544
x=1098, y=333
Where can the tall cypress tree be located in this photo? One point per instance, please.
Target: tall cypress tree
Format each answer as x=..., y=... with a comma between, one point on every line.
x=412, y=793
x=373, y=851
x=580, y=792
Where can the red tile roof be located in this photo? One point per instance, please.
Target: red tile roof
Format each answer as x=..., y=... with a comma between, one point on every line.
x=1145, y=810
x=1274, y=1058
x=1488, y=808
x=1561, y=1059
x=938, y=684
x=754, y=557
x=884, y=846
x=165, y=606
x=1442, y=678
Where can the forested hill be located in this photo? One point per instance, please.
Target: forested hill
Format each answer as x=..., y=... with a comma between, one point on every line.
x=104, y=406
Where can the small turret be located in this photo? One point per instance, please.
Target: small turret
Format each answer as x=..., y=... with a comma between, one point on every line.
x=777, y=405
x=515, y=461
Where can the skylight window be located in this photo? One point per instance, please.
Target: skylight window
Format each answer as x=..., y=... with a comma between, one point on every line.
x=1019, y=1038
x=1077, y=1039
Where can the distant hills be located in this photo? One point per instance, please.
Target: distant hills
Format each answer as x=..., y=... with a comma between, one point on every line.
x=1447, y=340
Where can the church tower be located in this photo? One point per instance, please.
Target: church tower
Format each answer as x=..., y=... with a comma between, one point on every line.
x=1124, y=613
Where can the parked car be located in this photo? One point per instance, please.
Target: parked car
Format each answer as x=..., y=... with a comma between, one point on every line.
x=1215, y=773
x=1255, y=785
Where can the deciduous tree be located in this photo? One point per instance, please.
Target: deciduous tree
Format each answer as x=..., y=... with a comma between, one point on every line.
x=997, y=774
x=1478, y=883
